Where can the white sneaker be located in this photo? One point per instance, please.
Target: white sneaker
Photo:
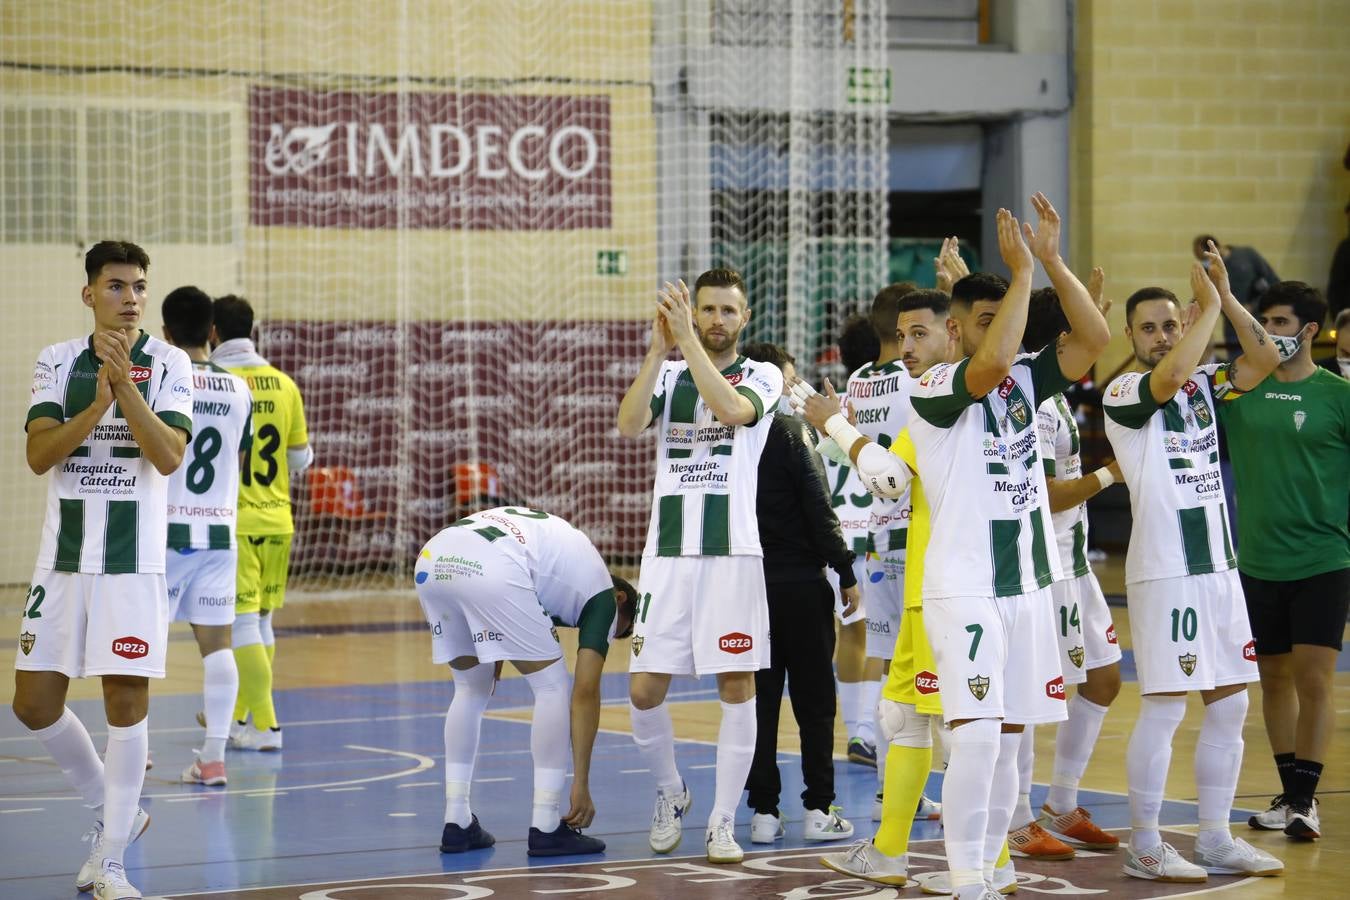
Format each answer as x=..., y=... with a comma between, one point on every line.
x=721, y=842
x=112, y=883
x=1004, y=882
x=1273, y=819
x=765, y=828
x=876, y=808
x=250, y=738
x=93, y=864
x=864, y=860
x=1162, y=863
x=237, y=729
x=1304, y=822
x=1238, y=858
x=928, y=811
x=667, y=821
x=825, y=826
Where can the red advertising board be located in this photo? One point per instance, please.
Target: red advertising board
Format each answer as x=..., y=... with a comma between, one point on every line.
x=348, y=159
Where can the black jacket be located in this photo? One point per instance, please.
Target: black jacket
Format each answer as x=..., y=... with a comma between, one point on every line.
x=797, y=526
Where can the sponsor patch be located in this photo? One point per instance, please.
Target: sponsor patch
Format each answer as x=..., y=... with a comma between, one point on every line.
x=735, y=378
x=1005, y=387
x=926, y=683
x=130, y=647
x=141, y=374
x=1054, y=689
x=1190, y=387
x=979, y=686
x=735, y=642
x=1249, y=651
x=1111, y=634
x=182, y=389
x=26, y=642
x=1187, y=662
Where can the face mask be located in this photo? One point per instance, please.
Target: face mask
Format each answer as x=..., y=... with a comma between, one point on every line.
x=1288, y=346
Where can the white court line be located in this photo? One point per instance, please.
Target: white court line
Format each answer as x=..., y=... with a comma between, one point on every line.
x=417, y=784
x=191, y=799
x=402, y=815
x=423, y=763
x=7, y=812
x=633, y=771
x=303, y=724
x=493, y=780
x=343, y=790
x=255, y=794
x=705, y=766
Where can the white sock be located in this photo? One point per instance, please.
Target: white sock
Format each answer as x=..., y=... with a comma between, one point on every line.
x=123, y=778
x=550, y=742
x=1073, y=748
x=869, y=692
x=1026, y=764
x=1218, y=759
x=850, y=708
x=265, y=630
x=655, y=738
x=67, y=742
x=1003, y=795
x=966, y=790
x=735, y=752
x=220, y=687
x=1146, y=761
x=463, y=725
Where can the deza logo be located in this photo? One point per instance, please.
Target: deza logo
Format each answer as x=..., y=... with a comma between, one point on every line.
x=735, y=642
x=130, y=647
x=139, y=374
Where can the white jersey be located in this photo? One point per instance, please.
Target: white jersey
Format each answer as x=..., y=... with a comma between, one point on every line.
x=106, y=503
x=983, y=479
x=707, y=473
x=565, y=568
x=204, y=491
x=1169, y=455
x=852, y=504
x=1058, y=432
x=879, y=397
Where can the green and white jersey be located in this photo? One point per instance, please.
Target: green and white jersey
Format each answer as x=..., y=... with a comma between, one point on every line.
x=204, y=491
x=1169, y=455
x=852, y=504
x=983, y=478
x=1058, y=432
x=106, y=504
x=569, y=576
x=1293, y=525
x=707, y=473
x=879, y=396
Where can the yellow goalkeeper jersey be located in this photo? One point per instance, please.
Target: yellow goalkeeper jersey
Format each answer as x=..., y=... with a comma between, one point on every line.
x=278, y=423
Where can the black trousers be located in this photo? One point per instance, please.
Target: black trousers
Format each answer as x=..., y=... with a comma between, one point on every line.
x=801, y=633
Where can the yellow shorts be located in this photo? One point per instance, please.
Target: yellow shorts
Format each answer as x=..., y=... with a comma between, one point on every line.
x=264, y=561
x=913, y=676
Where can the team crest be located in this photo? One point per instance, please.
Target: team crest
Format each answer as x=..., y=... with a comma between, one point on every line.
x=1299, y=418
x=1187, y=663
x=637, y=644
x=26, y=642
x=554, y=631
x=1201, y=409
x=1017, y=408
x=1076, y=657
x=979, y=686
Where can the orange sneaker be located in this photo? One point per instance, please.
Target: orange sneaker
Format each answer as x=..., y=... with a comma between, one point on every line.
x=1031, y=841
x=1076, y=829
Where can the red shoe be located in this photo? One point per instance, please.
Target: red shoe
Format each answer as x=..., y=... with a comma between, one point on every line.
x=1076, y=829
x=1031, y=841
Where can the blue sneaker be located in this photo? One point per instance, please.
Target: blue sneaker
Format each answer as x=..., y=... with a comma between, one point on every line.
x=455, y=839
x=563, y=841
x=862, y=752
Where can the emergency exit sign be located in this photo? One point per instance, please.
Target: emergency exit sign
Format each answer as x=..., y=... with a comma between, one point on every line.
x=611, y=262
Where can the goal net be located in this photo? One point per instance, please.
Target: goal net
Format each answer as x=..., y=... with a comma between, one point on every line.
x=450, y=218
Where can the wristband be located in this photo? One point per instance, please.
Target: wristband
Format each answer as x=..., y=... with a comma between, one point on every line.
x=1105, y=477
x=844, y=434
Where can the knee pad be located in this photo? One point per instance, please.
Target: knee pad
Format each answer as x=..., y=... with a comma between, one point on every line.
x=246, y=631
x=903, y=725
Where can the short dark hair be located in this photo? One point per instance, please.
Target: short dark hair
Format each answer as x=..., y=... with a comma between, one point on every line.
x=187, y=314
x=763, y=351
x=1202, y=241
x=1045, y=320
x=979, y=286
x=233, y=317
x=1307, y=301
x=1148, y=293
x=858, y=343
x=627, y=604
x=106, y=253
x=886, y=309
x=723, y=278
x=927, y=298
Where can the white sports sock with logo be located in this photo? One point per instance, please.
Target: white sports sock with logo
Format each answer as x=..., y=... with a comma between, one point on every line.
x=966, y=792
x=654, y=735
x=220, y=688
x=67, y=742
x=1218, y=760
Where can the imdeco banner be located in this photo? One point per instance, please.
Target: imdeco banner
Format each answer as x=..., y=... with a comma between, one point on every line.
x=510, y=162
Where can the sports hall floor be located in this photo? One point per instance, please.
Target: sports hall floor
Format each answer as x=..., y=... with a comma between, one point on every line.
x=352, y=808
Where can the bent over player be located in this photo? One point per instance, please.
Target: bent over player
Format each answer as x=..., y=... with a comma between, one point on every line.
x=494, y=586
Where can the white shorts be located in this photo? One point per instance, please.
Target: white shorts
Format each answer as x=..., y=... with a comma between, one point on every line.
x=85, y=625
x=997, y=658
x=1190, y=633
x=884, y=599
x=201, y=585
x=1087, y=636
x=482, y=603
x=860, y=575
x=701, y=615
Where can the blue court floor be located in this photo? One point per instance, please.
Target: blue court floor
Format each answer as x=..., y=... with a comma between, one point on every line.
x=357, y=794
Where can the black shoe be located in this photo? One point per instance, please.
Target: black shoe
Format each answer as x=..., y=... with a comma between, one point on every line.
x=564, y=841
x=455, y=839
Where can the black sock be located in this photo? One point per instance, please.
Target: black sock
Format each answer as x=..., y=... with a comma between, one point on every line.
x=1284, y=762
x=1304, y=780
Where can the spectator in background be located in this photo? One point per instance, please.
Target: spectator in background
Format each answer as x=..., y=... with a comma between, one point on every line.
x=1249, y=276
x=800, y=535
x=1339, y=362
x=1338, y=282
